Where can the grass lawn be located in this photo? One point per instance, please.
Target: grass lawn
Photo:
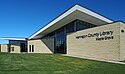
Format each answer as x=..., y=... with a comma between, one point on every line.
x=54, y=64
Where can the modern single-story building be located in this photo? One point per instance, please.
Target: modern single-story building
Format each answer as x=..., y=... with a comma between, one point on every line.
x=78, y=32
x=16, y=45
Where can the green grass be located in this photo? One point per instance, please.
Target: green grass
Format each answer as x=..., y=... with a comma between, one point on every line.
x=54, y=64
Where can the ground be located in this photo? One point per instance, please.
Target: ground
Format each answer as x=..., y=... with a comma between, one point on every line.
x=54, y=64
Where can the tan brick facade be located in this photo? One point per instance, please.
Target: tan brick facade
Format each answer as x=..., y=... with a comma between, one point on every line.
x=40, y=46
x=122, y=41
x=15, y=49
x=4, y=48
x=109, y=45
x=105, y=42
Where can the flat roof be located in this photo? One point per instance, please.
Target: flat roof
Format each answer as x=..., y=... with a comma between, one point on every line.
x=74, y=12
x=21, y=39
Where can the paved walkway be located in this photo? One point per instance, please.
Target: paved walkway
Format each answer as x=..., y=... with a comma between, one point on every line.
x=95, y=59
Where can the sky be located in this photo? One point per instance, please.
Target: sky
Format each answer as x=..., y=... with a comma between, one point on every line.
x=22, y=18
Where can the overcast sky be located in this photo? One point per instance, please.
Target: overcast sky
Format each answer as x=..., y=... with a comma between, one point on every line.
x=21, y=18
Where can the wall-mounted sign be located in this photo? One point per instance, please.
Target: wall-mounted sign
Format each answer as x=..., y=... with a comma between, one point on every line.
x=105, y=35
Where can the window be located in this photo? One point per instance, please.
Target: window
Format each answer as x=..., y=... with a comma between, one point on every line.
x=60, y=34
x=81, y=25
x=70, y=27
x=122, y=31
x=32, y=48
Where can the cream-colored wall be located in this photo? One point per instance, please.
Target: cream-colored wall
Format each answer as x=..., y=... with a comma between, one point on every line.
x=4, y=48
x=122, y=42
x=39, y=46
x=0, y=47
x=90, y=47
x=16, y=49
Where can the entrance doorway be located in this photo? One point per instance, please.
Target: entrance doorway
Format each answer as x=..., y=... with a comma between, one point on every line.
x=23, y=47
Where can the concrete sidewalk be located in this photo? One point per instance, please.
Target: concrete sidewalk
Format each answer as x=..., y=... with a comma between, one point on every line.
x=95, y=59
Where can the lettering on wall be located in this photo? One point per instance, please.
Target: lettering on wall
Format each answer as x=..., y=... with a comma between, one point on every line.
x=105, y=35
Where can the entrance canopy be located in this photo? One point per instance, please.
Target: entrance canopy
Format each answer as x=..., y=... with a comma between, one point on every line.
x=76, y=12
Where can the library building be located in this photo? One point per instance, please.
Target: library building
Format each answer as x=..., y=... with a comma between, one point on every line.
x=78, y=31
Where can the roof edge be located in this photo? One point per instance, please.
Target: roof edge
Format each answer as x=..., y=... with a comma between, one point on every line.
x=66, y=13
x=9, y=38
